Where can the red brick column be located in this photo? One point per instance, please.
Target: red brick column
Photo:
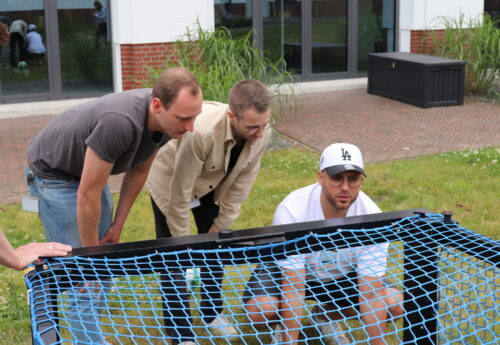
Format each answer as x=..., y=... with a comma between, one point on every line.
x=136, y=58
x=421, y=41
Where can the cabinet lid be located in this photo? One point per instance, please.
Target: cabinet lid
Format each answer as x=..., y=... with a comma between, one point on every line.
x=417, y=58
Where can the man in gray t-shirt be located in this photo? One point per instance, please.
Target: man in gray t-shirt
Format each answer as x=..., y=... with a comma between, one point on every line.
x=71, y=159
x=117, y=133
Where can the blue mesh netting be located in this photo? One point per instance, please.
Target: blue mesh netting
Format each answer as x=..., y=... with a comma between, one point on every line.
x=449, y=285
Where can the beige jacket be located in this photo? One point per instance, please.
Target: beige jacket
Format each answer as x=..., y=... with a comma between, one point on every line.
x=191, y=167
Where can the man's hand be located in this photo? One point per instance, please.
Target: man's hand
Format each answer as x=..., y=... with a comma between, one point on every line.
x=213, y=229
x=30, y=252
x=112, y=236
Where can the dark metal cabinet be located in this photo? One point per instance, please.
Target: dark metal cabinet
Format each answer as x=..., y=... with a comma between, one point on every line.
x=422, y=80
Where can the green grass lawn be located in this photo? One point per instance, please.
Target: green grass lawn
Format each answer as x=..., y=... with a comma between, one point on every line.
x=466, y=182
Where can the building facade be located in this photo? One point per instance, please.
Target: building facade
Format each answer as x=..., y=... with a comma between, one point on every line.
x=96, y=47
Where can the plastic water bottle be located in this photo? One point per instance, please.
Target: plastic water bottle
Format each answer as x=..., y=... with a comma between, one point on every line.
x=193, y=278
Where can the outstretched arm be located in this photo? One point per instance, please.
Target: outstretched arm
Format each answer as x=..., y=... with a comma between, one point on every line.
x=88, y=209
x=132, y=183
x=24, y=255
x=192, y=151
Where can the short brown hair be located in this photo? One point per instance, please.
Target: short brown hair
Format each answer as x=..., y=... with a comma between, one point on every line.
x=171, y=81
x=249, y=94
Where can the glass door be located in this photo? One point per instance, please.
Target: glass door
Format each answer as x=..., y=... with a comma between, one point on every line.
x=236, y=16
x=376, y=22
x=324, y=39
x=57, y=49
x=282, y=32
x=23, y=62
x=328, y=44
x=85, y=46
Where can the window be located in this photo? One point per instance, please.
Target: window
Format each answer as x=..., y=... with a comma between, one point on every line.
x=234, y=15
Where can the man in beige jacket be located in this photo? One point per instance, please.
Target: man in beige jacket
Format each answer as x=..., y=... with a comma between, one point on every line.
x=209, y=171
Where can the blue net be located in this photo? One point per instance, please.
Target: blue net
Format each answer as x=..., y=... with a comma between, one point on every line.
x=437, y=284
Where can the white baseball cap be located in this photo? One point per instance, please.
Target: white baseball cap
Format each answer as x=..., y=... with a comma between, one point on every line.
x=340, y=157
x=31, y=27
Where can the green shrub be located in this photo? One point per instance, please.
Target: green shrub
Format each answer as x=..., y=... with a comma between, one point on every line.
x=219, y=61
x=476, y=40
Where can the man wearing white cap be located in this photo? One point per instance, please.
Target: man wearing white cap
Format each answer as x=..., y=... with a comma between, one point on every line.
x=35, y=50
x=348, y=283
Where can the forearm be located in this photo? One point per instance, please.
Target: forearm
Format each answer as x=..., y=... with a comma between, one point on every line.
x=129, y=190
x=88, y=212
x=24, y=255
x=190, y=156
x=8, y=256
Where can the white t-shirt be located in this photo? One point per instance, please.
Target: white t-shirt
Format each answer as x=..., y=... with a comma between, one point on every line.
x=34, y=43
x=303, y=205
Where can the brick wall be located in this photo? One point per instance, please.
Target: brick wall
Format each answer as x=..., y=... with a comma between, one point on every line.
x=421, y=41
x=136, y=58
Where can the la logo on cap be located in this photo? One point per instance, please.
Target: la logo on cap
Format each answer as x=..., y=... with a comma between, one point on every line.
x=345, y=155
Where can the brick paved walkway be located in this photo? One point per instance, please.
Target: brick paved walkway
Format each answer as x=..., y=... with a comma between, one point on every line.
x=385, y=129
x=382, y=128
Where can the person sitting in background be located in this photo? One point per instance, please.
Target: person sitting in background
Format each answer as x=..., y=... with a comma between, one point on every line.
x=24, y=255
x=35, y=50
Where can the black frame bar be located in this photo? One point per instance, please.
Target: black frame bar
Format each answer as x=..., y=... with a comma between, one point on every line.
x=245, y=237
x=46, y=318
x=421, y=288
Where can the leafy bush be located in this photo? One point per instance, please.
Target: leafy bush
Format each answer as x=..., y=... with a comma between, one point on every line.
x=476, y=40
x=219, y=61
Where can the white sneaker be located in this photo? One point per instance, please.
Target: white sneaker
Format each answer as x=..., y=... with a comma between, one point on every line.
x=222, y=326
x=189, y=342
x=277, y=335
x=331, y=330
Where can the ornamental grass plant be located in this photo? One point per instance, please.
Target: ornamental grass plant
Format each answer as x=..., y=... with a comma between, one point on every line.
x=476, y=40
x=219, y=61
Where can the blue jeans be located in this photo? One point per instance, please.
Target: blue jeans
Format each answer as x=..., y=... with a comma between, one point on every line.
x=57, y=210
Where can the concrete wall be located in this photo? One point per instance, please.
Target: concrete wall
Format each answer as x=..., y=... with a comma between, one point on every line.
x=153, y=22
x=422, y=15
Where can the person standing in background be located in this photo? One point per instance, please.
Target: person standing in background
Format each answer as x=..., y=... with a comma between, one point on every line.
x=4, y=33
x=18, y=31
x=101, y=28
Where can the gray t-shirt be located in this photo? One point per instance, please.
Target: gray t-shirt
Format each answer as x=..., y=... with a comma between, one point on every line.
x=114, y=126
